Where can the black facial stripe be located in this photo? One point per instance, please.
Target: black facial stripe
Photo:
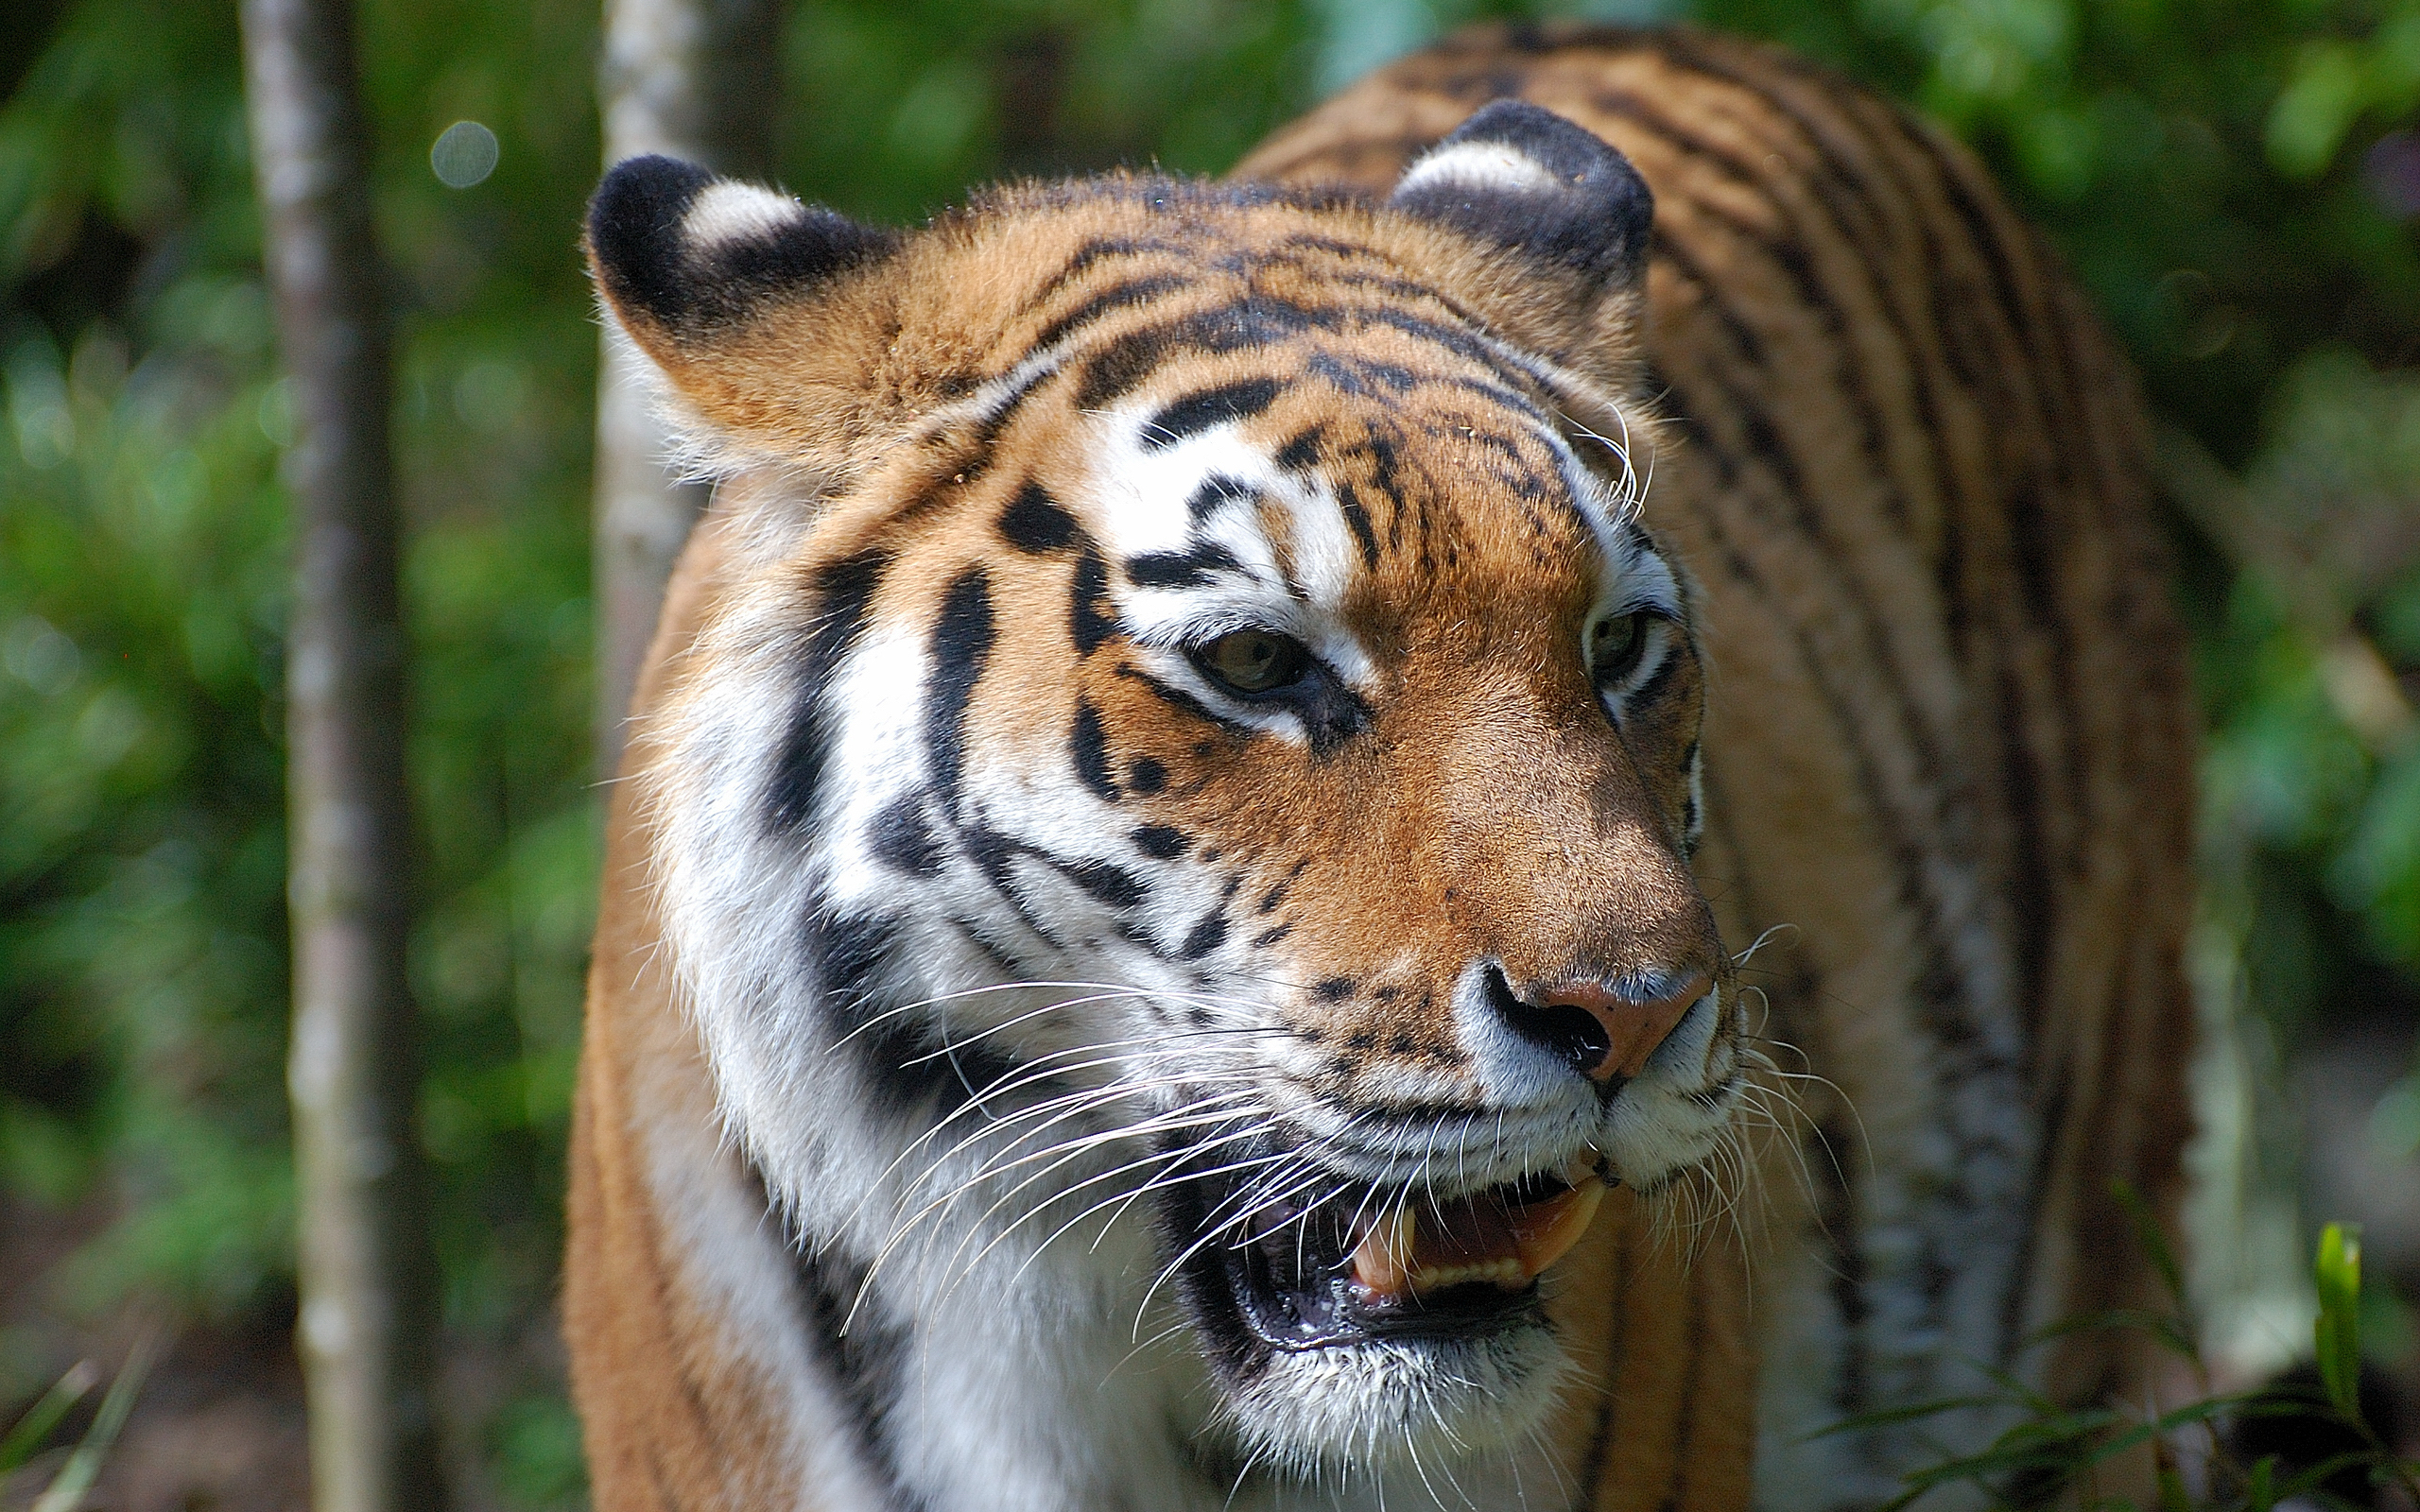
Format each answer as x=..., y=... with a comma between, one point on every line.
x=1359, y=517
x=1255, y=321
x=1215, y=490
x=1302, y=450
x=1146, y=776
x=903, y=839
x=1161, y=841
x=1089, y=744
x=1111, y=884
x=1035, y=522
x=996, y=854
x=843, y=591
x=1208, y=409
x=895, y=1055
x=1190, y=568
x=1091, y=619
x=1205, y=937
x=962, y=642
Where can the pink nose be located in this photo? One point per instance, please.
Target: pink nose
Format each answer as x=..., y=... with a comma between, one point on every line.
x=1634, y=1026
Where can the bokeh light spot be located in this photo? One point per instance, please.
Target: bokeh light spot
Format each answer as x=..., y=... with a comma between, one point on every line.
x=464, y=154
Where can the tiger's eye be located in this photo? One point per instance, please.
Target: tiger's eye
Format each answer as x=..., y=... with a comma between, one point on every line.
x=1616, y=644
x=1251, y=662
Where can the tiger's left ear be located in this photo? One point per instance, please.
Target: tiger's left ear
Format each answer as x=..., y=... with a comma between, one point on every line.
x=1526, y=180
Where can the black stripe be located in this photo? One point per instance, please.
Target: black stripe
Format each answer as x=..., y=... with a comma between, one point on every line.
x=1133, y=292
x=1090, y=746
x=1208, y=409
x=844, y=589
x=867, y=1365
x=1191, y=568
x=1035, y=522
x=961, y=643
x=1100, y=249
x=1359, y=517
x=1215, y=491
x=1205, y=937
x=1161, y=841
x=996, y=854
x=903, y=839
x=1250, y=323
x=1091, y=618
x=1111, y=884
x=1659, y=679
x=1301, y=450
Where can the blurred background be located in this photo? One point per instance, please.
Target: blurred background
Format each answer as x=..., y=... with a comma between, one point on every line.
x=2237, y=182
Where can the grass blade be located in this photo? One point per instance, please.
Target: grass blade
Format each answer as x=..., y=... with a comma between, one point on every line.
x=26, y=1439
x=76, y=1477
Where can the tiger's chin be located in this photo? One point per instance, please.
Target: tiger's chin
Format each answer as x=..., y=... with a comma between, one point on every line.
x=1403, y=1401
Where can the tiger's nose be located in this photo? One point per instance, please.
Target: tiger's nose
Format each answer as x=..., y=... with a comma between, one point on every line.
x=1600, y=1032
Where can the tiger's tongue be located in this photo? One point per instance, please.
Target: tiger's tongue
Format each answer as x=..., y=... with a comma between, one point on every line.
x=1418, y=1249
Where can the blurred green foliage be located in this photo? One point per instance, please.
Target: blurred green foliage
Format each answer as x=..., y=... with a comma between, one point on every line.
x=2233, y=180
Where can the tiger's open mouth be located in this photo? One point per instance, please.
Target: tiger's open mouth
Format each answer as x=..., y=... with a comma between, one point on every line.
x=1370, y=1264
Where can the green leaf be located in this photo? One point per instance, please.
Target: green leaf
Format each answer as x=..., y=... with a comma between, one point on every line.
x=25, y=1439
x=1892, y=1416
x=2338, y=1332
x=2171, y=1333
x=2261, y=1496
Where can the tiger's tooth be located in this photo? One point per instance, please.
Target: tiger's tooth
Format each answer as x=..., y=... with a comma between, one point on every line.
x=1382, y=1261
x=1568, y=1218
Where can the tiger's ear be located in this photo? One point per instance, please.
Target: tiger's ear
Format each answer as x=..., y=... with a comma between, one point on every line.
x=1521, y=178
x=683, y=255
x=732, y=290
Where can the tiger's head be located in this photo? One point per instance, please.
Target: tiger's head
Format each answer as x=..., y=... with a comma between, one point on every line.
x=1188, y=777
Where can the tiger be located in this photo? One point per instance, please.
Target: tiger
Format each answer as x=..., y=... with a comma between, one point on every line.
x=1495, y=815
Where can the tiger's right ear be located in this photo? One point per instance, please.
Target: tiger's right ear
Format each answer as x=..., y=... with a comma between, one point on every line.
x=719, y=283
x=1522, y=178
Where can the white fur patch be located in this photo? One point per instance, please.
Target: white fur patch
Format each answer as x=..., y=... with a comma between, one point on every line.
x=1491, y=165
x=725, y=212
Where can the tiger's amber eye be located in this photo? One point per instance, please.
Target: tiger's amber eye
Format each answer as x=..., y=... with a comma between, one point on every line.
x=1250, y=661
x=1616, y=644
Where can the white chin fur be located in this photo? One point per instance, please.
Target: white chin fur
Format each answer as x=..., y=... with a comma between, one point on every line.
x=1370, y=1409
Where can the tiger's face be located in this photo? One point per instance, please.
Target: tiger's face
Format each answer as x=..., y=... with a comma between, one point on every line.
x=1188, y=785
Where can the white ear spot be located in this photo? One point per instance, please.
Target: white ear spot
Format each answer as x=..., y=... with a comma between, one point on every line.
x=1491, y=165
x=725, y=213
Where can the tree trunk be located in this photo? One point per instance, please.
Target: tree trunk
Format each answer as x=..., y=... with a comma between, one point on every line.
x=695, y=80
x=368, y=1294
